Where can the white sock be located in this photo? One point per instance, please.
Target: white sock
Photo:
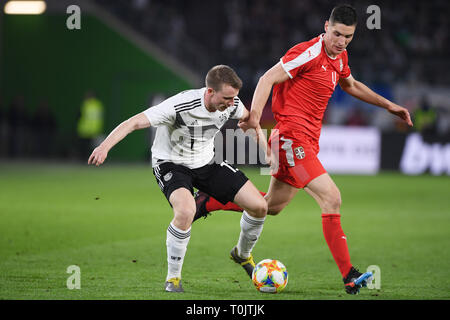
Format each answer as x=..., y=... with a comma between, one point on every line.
x=176, y=242
x=251, y=228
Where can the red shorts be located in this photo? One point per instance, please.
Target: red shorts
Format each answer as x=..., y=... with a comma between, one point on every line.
x=297, y=157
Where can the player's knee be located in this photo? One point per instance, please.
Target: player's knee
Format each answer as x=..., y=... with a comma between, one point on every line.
x=184, y=216
x=333, y=202
x=275, y=206
x=261, y=208
x=274, y=210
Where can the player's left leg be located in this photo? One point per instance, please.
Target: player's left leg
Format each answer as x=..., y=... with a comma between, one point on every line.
x=227, y=183
x=251, y=227
x=252, y=222
x=327, y=195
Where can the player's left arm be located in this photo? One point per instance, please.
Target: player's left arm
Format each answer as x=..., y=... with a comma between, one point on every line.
x=359, y=90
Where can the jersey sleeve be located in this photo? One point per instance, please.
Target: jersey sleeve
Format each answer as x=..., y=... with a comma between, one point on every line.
x=162, y=114
x=345, y=70
x=238, y=111
x=296, y=60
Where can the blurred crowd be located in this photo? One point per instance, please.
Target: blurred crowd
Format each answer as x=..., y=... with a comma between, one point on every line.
x=27, y=134
x=411, y=47
x=412, y=44
x=33, y=132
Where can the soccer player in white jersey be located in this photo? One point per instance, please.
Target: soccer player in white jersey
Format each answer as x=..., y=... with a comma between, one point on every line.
x=182, y=155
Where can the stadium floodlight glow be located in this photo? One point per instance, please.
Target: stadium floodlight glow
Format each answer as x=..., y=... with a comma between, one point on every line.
x=25, y=7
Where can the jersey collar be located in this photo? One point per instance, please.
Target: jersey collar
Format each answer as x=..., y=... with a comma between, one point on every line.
x=202, y=97
x=323, y=47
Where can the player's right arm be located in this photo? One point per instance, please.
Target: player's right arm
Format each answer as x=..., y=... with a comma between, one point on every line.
x=99, y=155
x=274, y=75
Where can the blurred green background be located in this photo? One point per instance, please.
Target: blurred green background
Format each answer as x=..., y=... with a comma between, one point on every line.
x=43, y=60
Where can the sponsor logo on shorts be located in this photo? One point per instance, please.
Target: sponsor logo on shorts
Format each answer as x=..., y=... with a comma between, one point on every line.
x=299, y=153
x=168, y=176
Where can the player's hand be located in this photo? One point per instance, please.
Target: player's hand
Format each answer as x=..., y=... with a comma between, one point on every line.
x=98, y=156
x=270, y=158
x=401, y=112
x=249, y=123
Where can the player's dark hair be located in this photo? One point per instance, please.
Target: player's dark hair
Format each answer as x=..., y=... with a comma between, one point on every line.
x=344, y=14
x=222, y=74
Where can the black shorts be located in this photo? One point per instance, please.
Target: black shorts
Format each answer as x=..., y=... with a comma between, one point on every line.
x=221, y=181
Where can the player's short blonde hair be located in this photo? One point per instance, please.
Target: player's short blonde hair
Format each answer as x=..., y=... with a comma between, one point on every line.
x=222, y=74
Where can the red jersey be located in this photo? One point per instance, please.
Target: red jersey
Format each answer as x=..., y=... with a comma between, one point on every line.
x=299, y=103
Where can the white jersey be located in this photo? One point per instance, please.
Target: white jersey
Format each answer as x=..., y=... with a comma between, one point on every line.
x=186, y=129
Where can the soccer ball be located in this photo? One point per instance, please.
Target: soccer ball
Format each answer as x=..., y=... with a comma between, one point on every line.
x=270, y=276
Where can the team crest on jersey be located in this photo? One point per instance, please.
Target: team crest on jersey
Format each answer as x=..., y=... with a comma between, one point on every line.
x=168, y=176
x=299, y=152
x=223, y=117
x=341, y=65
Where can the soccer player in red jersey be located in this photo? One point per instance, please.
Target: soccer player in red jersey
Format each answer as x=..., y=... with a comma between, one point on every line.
x=303, y=81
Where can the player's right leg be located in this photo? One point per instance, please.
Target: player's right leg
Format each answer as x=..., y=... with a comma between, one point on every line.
x=178, y=235
x=278, y=196
x=205, y=204
x=176, y=184
x=183, y=205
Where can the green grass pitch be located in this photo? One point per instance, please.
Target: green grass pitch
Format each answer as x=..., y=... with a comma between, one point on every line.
x=111, y=221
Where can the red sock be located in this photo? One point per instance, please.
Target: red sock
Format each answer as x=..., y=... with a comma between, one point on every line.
x=337, y=241
x=214, y=205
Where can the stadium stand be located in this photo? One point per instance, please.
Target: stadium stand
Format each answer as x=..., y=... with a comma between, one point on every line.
x=411, y=46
